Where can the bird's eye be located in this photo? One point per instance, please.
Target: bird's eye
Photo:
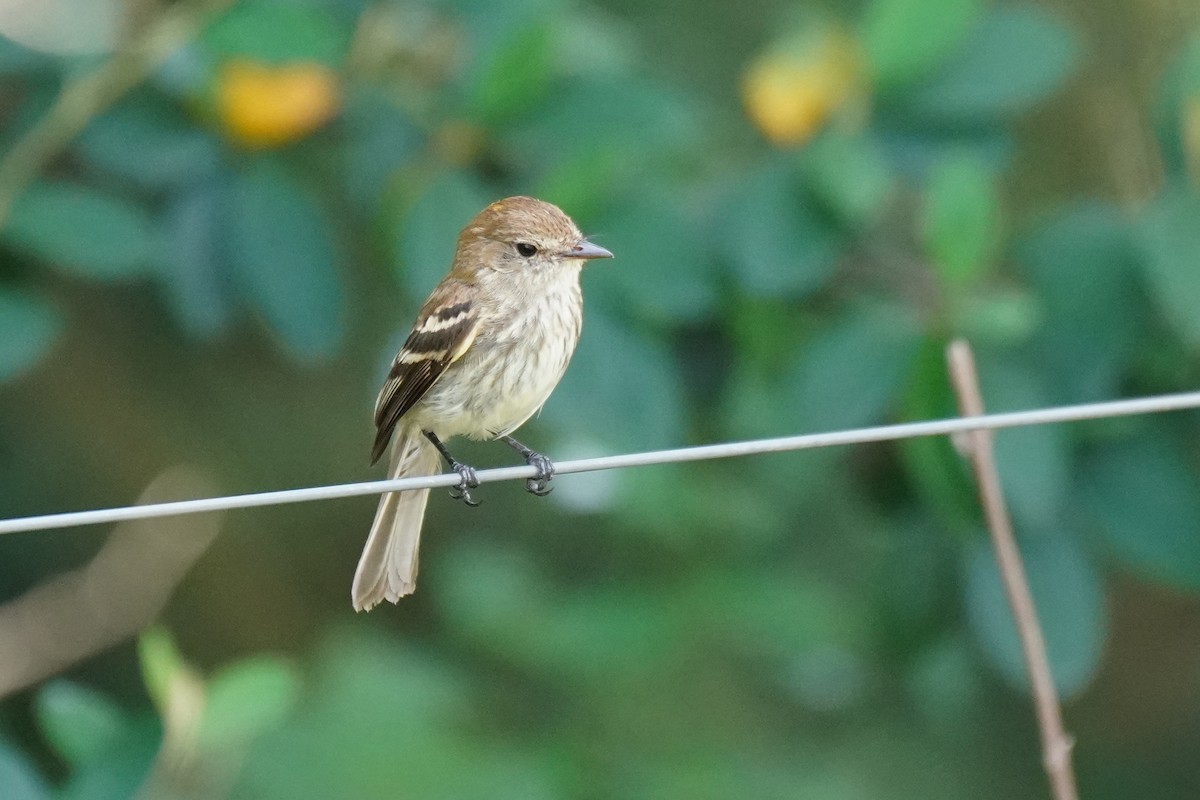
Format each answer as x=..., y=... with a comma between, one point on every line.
x=526, y=250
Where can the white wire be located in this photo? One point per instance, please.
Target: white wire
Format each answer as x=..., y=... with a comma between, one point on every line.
x=882, y=433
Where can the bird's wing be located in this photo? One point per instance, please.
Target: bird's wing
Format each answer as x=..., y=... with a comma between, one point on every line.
x=445, y=328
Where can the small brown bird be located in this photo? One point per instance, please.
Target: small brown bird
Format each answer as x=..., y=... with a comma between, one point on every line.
x=488, y=347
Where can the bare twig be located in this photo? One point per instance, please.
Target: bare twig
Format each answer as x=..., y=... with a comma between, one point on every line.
x=79, y=613
x=1056, y=742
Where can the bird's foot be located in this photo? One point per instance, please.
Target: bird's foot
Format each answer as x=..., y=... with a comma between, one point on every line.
x=539, y=484
x=467, y=480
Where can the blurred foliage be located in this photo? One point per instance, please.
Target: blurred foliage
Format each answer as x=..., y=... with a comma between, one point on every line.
x=806, y=202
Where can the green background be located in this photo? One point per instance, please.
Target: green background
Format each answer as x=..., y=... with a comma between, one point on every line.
x=820, y=624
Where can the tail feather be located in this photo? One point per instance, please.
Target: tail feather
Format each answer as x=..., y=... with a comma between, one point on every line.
x=387, y=569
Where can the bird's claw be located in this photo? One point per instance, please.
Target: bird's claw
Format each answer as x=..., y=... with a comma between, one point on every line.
x=467, y=480
x=539, y=484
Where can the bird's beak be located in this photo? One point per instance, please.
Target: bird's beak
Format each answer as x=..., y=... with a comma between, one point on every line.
x=586, y=249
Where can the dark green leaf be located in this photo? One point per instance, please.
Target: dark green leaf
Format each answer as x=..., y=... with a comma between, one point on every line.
x=79, y=723
x=1015, y=58
x=84, y=230
x=583, y=633
x=124, y=769
x=430, y=230
x=906, y=39
x=850, y=177
x=931, y=462
x=515, y=75
x=1082, y=263
x=147, y=142
x=1170, y=238
x=755, y=408
x=661, y=271
x=19, y=780
x=245, y=701
x=282, y=252
x=1180, y=88
x=960, y=219
x=654, y=126
x=854, y=371
x=582, y=183
x=189, y=72
x=29, y=327
x=1146, y=499
x=193, y=273
x=1034, y=461
x=16, y=59
x=945, y=682
x=597, y=390
x=1069, y=597
x=380, y=138
x=278, y=32
x=380, y=717
x=775, y=241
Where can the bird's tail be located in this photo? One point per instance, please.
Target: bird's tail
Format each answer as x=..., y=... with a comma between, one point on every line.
x=387, y=569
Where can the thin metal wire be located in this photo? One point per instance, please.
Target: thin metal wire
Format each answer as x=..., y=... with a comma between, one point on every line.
x=882, y=433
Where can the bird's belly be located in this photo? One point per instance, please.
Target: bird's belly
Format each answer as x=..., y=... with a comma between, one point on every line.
x=496, y=386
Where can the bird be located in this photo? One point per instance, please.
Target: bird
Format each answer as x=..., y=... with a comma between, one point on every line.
x=488, y=347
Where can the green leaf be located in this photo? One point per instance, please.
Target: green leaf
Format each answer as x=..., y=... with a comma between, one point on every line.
x=282, y=252
x=79, y=723
x=662, y=270
x=245, y=701
x=1146, y=499
x=161, y=665
x=29, y=327
x=189, y=72
x=16, y=59
x=1069, y=597
x=1170, y=239
x=996, y=316
x=775, y=241
x=19, y=780
x=150, y=143
x=124, y=768
x=379, y=139
x=515, y=75
x=906, y=39
x=193, y=271
x=852, y=373
x=594, y=391
x=931, y=463
x=278, y=33
x=387, y=721
x=1034, y=461
x=1180, y=89
x=945, y=682
x=960, y=220
x=1082, y=263
x=430, y=230
x=655, y=126
x=850, y=177
x=583, y=182
x=579, y=635
x=1015, y=58
x=81, y=229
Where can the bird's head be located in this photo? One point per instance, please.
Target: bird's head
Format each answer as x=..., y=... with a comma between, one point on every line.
x=520, y=234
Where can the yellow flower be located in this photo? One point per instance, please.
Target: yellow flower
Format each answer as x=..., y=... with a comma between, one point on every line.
x=793, y=89
x=262, y=106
